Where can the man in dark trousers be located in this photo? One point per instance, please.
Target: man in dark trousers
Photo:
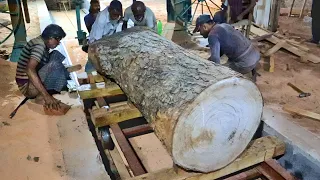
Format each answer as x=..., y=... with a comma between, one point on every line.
x=224, y=39
x=315, y=14
x=39, y=73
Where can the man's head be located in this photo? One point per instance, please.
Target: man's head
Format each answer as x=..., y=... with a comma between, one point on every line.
x=52, y=35
x=204, y=24
x=94, y=6
x=115, y=10
x=138, y=9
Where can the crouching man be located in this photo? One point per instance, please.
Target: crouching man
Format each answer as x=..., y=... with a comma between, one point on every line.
x=224, y=39
x=41, y=74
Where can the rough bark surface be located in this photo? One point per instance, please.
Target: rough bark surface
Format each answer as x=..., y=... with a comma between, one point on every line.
x=162, y=79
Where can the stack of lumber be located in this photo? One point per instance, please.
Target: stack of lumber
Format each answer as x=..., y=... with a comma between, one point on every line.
x=289, y=45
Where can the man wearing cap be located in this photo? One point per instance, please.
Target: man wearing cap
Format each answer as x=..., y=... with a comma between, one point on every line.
x=224, y=39
x=140, y=15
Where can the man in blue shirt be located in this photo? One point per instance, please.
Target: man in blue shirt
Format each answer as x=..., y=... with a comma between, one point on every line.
x=224, y=39
x=93, y=12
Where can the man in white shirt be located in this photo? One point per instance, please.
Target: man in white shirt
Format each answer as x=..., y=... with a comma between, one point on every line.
x=107, y=22
x=140, y=15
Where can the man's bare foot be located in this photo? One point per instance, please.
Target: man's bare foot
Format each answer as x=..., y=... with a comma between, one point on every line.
x=64, y=108
x=39, y=100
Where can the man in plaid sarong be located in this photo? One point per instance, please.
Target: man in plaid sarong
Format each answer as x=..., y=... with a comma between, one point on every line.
x=41, y=74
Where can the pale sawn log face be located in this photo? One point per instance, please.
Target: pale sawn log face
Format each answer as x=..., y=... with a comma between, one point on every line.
x=161, y=78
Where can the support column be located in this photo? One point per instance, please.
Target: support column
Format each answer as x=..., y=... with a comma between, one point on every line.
x=20, y=34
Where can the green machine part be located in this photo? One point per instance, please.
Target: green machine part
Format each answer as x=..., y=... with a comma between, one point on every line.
x=81, y=35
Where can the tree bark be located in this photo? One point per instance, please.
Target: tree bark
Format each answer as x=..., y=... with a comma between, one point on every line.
x=204, y=113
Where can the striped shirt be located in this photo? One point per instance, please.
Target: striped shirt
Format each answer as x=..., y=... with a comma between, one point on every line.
x=35, y=49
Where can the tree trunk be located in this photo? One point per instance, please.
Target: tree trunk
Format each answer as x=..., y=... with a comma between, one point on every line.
x=204, y=113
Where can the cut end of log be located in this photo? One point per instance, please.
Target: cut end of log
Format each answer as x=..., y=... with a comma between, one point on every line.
x=215, y=129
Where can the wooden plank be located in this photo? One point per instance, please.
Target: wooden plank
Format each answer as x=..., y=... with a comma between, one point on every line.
x=274, y=15
x=302, y=9
x=279, y=169
x=275, y=48
x=263, y=37
x=115, y=114
x=88, y=91
x=271, y=63
x=118, y=162
x=124, y=145
x=128, y=152
x=258, y=151
x=304, y=55
x=301, y=112
x=137, y=130
x=250, y=174
x=151, y=152
x=168, y=30
x=268, y=172
x=121, y=158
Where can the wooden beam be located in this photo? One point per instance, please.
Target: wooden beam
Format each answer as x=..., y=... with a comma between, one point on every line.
x=279, y=169
x=275, y=48
x=263, y=37
x=302, y=9
x=118, y=162
x=122, y=161
x=258, y=151
x=268, y=172
x=151, y=152
x=115, y=114
x=168, y=30
x=250, y=174
x=88, y=91
x=124, y=145
x=290, y=11
x=271, y=63
x=301, y=112
x=306, y=56
x=128, y=152
x=137, y=130
x=274, y=15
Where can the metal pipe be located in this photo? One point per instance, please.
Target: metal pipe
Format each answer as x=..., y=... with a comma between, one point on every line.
x=26, y=10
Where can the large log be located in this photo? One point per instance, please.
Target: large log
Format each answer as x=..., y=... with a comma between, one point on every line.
x=205, y=114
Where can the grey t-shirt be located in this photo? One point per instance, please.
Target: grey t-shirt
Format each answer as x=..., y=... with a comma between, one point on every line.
x=224, y=39
x=148, y=20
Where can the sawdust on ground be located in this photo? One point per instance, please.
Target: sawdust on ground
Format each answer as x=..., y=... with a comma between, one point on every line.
x=29, y=137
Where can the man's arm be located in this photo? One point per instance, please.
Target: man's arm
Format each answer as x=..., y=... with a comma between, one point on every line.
x=248, y=10
x=214, y=45
x=97, y=28
x=51, y=102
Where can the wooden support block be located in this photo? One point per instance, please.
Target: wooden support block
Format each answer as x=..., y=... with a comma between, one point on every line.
x=151, y=152
x=268, y=172
x=275, y=48
x=97, y=77
x=88, y=91
x=271, y=63
x=128, y=152
x=168, y=30
x=258, y=151
x=137, y=130
x=115, y=114
x=301, y=112
x=279, y=169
